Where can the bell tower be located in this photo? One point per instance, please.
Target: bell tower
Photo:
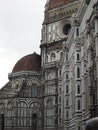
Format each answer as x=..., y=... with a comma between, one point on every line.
x=55, y=30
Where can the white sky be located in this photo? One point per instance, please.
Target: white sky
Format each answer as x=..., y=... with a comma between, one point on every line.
x=20, y=32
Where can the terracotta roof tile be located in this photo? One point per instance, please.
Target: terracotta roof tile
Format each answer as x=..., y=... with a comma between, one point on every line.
x=30, y=62
x=57, y=3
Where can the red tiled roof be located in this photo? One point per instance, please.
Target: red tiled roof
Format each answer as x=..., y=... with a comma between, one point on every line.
x=30, y=62
x=57, y=3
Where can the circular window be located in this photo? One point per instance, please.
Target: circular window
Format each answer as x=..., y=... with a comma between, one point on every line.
x=67, y=29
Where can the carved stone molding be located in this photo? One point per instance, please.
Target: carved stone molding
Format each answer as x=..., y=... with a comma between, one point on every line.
x=95, y=7
x=89, y=27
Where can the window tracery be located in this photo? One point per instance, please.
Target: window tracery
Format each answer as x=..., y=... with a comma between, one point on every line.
x=34, y=90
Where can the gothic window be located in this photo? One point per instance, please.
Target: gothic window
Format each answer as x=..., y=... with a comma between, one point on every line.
x=9, y=114
x=22, y=114
x=77, y=31
x=78, y=89
x=49, y=112
x=78, y=57
x=67, y=89
x=53, y=57
x=67, y=102
x=78, y=72
x=34, y=90
x=34, y=105
x=78, y=104
x=22, y=104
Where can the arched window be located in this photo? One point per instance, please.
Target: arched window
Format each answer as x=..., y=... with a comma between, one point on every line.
x=34, y=90
x=53, y=57
x=78, y=57
x=9, y=114
x=22, y=104
x=78, y=104
x=49, y=112
x=77, y=31
x=78, y=72
x=78, y=89
x=21, y=114
x=67, y=89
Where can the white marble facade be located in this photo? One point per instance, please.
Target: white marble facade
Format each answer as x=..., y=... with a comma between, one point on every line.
x=60, y=92
x=82, y=67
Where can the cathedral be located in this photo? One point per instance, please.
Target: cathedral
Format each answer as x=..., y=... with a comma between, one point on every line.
x=58, y=89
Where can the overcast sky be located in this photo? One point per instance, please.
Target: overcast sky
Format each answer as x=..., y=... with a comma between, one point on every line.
x=20, y=32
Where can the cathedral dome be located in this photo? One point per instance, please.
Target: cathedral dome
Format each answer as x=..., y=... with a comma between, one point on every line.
x=57, y=3
x=30, y=62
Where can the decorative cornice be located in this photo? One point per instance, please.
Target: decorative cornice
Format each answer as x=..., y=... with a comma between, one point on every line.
x=61, y=12
x=23, y=74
